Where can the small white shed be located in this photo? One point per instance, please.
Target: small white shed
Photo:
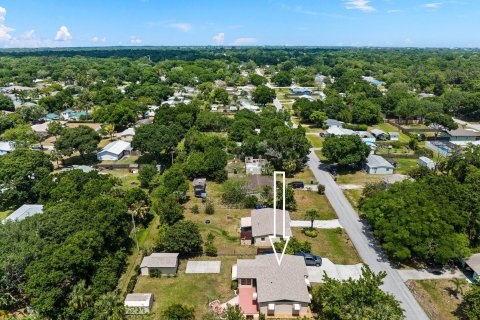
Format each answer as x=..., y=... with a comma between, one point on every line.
x=138, y=303
x=426, y=162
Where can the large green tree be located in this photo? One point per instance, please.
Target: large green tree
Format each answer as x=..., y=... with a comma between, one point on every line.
x=81, y=139
x=345, y=150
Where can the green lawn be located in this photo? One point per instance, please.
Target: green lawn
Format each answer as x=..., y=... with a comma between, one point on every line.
x=359, y=177
x=405, y=165
x=311, y=200
x=315, y=140
x=389, y=128
x=333, y=244
x=4, y=214
x=353, y=196
x=306, y=176
x=195, y=290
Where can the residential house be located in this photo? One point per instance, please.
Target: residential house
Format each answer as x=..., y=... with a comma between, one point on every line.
x=426, y=162
x=333, y=123
x=473, y=263
x=378, y=165
x=41, y=128
x=6, y=147
x=165, y=263
x=199, y=186
x=254, y=166
x=280, y=291
x=73, y=115
x=461, y=136
x=261, y=221
x=336, y=131
x=114, y=150
x=25, y=211
x=394, y=136
x=300, y=91
x=138, y=303
x=379, y=134
x=128, y=134
x=309, y=98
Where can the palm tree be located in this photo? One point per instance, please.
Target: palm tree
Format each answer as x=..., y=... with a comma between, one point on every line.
x=107, y=307
x=110, y=130
x=56, y=156
x=457, y=282
x=80, y=297
x=312, y=215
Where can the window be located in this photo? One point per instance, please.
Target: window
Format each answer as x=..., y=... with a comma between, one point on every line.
x=246, y=282
x=263, y=239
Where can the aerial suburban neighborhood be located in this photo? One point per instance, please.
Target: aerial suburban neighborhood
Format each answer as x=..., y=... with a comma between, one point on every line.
x=236, y=181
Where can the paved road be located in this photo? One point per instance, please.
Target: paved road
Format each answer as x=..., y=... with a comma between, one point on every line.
x=317, y=224
x=364, y=242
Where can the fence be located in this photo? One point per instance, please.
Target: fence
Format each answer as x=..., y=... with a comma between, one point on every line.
x=410, y=130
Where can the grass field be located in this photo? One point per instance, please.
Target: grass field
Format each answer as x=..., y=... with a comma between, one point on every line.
x=195, y=290
x=436, y=297
x=312, y=200
x=405, y=165
x=306, y=176
x=359, y=177
x=315, y=140
x=353, y=196
x=333, y=244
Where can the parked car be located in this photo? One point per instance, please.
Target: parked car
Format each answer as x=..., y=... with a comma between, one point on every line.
x=310, y=259
x=297, y=185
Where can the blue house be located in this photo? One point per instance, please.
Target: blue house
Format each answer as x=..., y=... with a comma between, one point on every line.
x=300, y=91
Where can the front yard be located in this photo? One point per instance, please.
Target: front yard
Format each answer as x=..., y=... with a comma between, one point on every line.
x=312, y=200
x=437, y=297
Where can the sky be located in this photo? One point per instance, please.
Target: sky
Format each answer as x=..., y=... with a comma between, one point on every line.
x=379, y=23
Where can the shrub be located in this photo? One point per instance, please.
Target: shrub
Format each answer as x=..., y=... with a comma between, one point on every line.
x=195, y=209
x=321, y=189
x=250, y=202
x=234, y=284
x=355, y=127
x=155, y=273
x=424, y=152
x=209, y=208
x=312, y=233
x=397, y=144
x=132, y=283
x=211, y=250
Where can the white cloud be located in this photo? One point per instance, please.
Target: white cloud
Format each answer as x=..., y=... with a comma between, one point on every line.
x=184, y=27
x=98, y=39
x=394, y=11
x=135, y=40
x=63, y=34
x=433, y=5
x=219, y=38
x=28, y=35
x=362, y=5
x=4, y=30
x=244, y=41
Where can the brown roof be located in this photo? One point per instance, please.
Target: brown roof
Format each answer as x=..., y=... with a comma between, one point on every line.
x=256, y=182
x=276, y=282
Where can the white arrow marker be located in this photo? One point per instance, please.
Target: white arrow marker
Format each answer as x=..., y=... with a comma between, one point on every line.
x=273, y=237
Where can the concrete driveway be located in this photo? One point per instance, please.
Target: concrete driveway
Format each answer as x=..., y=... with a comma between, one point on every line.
x=317, y=224
x=423, y=274
x=335, y=271
x=203, y=267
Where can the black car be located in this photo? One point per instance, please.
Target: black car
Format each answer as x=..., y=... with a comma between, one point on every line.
x=297, y=185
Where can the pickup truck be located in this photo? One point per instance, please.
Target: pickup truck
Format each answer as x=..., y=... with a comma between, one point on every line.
x=310, y=259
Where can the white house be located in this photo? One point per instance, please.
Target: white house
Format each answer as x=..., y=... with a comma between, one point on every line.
x=114, y=150
x=128, y=134
x=165, y=263
x=138, y=303
x=336, y=131
x=378, y=165
x=25, y=211
x=426, y=162
x=6, y=147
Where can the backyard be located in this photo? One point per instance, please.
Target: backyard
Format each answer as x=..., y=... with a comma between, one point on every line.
x=195, y=290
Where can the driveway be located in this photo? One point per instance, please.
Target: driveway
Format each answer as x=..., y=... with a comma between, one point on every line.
x=317, y=224
x=413, y=274
x=203, y=267
x=335, y=271
x=365, y=243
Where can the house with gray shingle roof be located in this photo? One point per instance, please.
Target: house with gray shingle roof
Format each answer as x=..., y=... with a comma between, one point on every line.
x=165, y=263
x=275, y=290
x=25, y=211
x=261, y=227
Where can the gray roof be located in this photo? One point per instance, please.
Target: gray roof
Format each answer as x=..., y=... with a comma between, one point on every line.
x=138, y=300
x=160, y=260
x=374, y=161
x=276, y=282
x=262, y=222
x=25, y=211
x=474, y=263
x=333, y=122
x=377, y=132
x=117, y=147
x=463, y=133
